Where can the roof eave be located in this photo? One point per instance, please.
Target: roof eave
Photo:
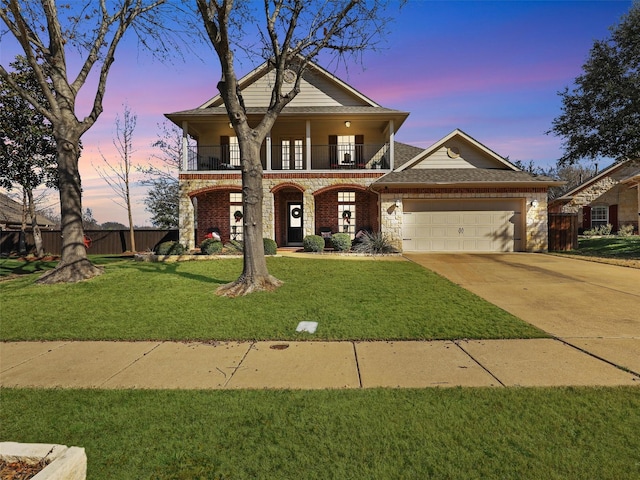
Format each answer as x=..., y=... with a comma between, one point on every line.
x=537, y=184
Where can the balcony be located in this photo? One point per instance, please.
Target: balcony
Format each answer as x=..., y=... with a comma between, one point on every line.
x=288, y=157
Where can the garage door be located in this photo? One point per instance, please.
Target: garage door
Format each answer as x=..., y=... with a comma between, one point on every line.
x=461, y=230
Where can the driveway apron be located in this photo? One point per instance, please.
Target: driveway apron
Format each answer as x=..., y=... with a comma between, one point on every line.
x=592, y=306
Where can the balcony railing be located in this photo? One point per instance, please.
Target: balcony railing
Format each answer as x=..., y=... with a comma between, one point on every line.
x=293, y=157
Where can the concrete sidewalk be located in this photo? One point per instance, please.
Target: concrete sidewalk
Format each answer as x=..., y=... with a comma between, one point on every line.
x=304, y=365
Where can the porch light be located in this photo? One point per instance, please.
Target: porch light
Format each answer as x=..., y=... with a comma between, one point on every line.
x=230, y=125
x=347, y=124
x=398, y=202
x=534, y=203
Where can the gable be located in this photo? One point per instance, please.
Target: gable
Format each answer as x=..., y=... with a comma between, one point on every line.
x=318, y=88
x=315, y=91
x=608, y=177
x=458, y=151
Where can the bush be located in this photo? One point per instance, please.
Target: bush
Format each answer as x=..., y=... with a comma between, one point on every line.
x=170, y=248
x=234, y=246
x=211, y=246
x=626, y=230
x=341, y=241
x=599, y=231
x=270, y=246
x=313, y=243
x=374, y=244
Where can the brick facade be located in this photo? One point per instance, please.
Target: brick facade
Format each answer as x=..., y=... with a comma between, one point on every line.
x=318, y=193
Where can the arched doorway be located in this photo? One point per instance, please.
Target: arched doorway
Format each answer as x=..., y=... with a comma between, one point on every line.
x=289, y=215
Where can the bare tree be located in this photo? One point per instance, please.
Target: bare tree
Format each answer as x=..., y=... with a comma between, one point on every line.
x=161, y=176
x=117, y=173
x=294, y=33
x=92, y=31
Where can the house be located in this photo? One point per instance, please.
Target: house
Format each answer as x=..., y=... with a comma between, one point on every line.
x=11, y=216
x=331, y=164
x=609, y=197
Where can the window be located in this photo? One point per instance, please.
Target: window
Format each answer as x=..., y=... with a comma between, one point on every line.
x=347, y=213
x=235, y=216
x=289, y=156
x=234, y=151
x=599, y=216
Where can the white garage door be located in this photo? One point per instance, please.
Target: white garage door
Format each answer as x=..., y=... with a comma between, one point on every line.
x=461, y=230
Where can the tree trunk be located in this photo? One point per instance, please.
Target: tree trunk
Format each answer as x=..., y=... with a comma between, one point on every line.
x=255, y=275
x=74, y=265
x=37, y=236
x=132, y=232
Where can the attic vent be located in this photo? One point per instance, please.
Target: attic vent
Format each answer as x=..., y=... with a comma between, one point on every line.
x=453, y=152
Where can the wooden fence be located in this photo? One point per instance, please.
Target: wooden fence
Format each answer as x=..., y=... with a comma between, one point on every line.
x=103, y=242
x=563, y=231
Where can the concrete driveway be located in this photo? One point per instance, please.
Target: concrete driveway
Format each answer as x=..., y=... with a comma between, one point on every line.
x=593, y=306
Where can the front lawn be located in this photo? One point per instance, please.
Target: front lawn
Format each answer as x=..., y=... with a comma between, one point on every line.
x=515, y=433
x=608, y=247
x=351, y=300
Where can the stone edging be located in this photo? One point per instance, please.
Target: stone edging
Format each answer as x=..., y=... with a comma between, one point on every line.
x=66, y=463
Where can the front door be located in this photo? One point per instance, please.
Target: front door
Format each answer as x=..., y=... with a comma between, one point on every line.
x=294, y=223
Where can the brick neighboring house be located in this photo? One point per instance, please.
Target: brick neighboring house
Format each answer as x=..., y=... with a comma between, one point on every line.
x=331, y=164
x=610, y=196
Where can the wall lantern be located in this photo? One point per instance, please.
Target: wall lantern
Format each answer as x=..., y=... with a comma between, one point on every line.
x=230, y=125
x=534, y=203
x=398, y=203
x=347, y=124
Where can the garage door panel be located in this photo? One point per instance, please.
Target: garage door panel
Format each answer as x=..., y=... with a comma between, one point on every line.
x=481, y=231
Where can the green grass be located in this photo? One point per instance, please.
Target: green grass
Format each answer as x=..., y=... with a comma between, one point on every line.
x=11, y=266
x=608, y=247
x=351, y=300
x=564, y=433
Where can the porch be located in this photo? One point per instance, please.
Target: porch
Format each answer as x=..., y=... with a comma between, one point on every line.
x=292, y=156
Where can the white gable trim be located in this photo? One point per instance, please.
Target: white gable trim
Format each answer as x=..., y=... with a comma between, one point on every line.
x=265, y=68
x=440, y=143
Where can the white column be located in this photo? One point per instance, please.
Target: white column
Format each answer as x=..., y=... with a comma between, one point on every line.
x=268, y=147
x=185, y=145
x=308, y=144
x=392, y=149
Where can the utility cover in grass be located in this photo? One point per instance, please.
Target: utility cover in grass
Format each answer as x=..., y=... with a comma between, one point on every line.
x=309, y=327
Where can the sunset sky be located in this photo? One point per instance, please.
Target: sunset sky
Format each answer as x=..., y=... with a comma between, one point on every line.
x=491, y=68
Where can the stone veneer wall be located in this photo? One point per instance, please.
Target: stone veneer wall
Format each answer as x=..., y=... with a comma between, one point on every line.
x=536, y=227
x=309, y=183
x=605, y=192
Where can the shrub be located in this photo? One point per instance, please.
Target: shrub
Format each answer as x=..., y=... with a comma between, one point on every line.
x=597, y=231
x=211, y=246
x=270, y=246
x=170, y=248
x=626, y=230
x=374, y=244
x=234, y=246
x=341, y=241
x=313, y=243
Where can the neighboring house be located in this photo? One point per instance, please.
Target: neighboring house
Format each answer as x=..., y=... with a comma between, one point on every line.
x=331, y=164
x=11, y=216
x=609, y=197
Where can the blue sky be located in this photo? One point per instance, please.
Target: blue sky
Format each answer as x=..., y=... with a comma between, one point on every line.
x=490, y=68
